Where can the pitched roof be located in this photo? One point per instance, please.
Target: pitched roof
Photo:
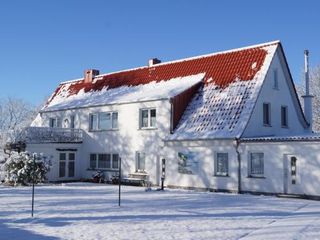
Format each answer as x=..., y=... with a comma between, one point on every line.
x=221, y=68
x=220, y=108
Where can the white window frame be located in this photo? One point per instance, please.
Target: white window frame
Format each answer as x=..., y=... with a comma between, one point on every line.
x=266, y=116
x=138, y=164
x=72, y=121
x=96, y=167
x=98, y=115
x=57, y=122
x=149, y=126
x=275, y=79
x=217, y=172
x=254, y=171
x=284, y=122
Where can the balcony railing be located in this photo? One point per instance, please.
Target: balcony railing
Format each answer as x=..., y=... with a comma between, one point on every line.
x=52, y=135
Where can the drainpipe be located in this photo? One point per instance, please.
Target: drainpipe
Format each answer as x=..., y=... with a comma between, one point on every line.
x=239, y=163
x=171, y=115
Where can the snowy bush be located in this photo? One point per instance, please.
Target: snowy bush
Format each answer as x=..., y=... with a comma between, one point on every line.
x=22, y=167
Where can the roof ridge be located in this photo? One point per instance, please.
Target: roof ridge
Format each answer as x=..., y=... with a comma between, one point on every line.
x=181, y=60
x=221, y=52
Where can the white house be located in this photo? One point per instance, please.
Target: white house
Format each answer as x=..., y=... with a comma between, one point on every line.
x=224, y=121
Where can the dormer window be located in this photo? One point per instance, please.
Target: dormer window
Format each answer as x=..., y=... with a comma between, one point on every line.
x=275, y=79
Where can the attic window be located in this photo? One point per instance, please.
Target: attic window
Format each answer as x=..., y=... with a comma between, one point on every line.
x=275, y=79
x=267, y=114
x=284, y=116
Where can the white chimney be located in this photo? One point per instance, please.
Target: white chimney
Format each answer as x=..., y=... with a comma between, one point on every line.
x=153, y=61
x=89, y=75
x=307, y=98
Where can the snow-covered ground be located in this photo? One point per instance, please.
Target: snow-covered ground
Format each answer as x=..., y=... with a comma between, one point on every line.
x=90, y=211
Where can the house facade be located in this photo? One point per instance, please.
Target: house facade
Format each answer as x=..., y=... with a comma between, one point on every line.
x=224, y=121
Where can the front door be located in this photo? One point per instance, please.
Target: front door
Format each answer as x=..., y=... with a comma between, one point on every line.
x=67, y=165
x=289, y=173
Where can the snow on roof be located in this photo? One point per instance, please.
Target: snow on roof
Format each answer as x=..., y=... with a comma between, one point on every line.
x=307, y=138
x=220, y=109
x=123, y=94
x=221, y=68
x=223, y=111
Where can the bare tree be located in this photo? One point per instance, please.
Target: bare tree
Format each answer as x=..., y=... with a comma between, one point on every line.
x=315, y=91
x=15, y=114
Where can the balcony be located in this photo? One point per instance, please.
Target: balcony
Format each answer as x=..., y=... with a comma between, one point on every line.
x=52, y=135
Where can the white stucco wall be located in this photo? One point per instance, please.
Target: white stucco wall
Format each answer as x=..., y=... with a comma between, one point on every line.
x=51, y=153
x=275, y=165
x=308, y=167
x=204, y=152
x=277, y=98
x=126, y=140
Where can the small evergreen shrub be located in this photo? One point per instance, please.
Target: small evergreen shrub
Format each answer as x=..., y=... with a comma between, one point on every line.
x=22, y=168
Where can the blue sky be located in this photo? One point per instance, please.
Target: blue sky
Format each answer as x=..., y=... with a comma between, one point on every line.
x=45, y=42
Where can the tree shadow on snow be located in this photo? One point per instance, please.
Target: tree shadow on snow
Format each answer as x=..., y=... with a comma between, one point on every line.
x=62, y=221
x=7, y=232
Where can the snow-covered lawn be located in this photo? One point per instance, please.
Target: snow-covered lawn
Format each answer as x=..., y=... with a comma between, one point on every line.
x=90, y=211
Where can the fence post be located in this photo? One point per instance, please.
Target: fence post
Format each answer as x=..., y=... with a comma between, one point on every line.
x=33, y=172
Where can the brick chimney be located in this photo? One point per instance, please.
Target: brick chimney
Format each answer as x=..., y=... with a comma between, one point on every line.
x=89, y=75
x=153, y=61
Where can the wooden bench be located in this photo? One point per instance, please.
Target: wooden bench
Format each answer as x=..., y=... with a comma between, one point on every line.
x=140, y=179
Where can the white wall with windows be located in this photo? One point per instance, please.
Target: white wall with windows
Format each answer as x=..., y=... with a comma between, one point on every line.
x=65, y=159
x=201, y=164
x=274, y=112
x=291, y=167
x=132, y=131
x=281, y=167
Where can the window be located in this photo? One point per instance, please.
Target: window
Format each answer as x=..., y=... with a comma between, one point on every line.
x=256, y=166
x=93, y=161
x=72, y=120
x=67, y=164
x=104, y=161
x=103, y=121
x=140, y=161
x=55, y=122
x=148, y=118
x=284, y=116
x=62, y=164
x=266, y=114
x=71, y=165
x=114, y=120
x=115, y=161
x=94, y=122
x=221, y=164
x=275, y=79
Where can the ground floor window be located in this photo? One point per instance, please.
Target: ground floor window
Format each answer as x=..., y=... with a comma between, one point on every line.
x=104, y=161
x=67, y=164
x=140, y=162
x=256, y=165
x=221, y=164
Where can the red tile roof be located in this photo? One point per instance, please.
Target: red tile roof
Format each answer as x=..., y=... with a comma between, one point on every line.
x=220, y=68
